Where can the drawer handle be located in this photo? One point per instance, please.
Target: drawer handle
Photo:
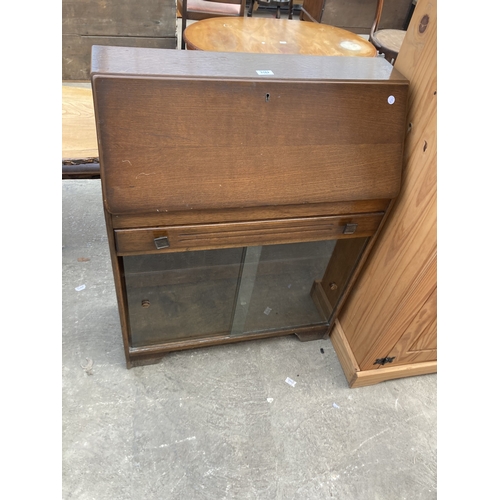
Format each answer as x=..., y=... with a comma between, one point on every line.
x=162, y=242
x=350, y=228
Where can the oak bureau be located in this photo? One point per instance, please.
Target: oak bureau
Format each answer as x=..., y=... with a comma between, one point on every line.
x=242, y=192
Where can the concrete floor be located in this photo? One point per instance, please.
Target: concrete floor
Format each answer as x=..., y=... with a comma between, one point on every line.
x=221, y=422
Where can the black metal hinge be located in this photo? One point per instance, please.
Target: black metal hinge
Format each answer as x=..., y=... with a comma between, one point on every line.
x=383, y=361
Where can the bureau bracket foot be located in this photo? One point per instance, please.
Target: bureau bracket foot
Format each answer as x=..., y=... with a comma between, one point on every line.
x=132, y=363
x=306, y=337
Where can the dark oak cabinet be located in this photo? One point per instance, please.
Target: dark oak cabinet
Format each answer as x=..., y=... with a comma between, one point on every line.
x=242, y=192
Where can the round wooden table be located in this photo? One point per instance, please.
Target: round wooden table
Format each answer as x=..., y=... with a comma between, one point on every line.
x=274, y=36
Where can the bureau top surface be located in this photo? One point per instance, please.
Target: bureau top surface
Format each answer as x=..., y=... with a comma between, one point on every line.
x=172, y=63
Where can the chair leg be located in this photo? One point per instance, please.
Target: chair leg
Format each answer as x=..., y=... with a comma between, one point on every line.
x=390, y=56
x=183, y=27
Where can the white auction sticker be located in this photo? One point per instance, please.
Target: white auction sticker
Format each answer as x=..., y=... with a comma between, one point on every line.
x=262, y=72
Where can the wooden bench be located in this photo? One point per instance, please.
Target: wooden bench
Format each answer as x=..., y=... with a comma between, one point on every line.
x=80, y=156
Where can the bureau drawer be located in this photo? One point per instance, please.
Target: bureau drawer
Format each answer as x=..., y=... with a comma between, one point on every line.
x=236, y=234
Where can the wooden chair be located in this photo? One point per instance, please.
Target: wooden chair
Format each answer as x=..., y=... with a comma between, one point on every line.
x=386, y=41
x=312, y=10
x=276, y=3
x=203, y=9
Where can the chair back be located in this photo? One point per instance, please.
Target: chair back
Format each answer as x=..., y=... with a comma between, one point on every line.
x=197, y=10
x=312, y=10
x=378, y=15
x=387, y=41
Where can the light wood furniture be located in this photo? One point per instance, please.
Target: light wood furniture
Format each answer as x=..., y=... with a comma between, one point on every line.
x=205, y=9
x=275, y=36
x=387, y=41
x=220, y=231
x=391, y=313
x=79, y=139
x=126, y=23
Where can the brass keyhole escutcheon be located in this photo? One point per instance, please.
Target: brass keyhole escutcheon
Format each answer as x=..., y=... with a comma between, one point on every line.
x=333, y=286
x=145, y=303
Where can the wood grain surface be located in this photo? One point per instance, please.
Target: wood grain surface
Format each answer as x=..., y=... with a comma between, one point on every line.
x=391, y=39
x=275, y=36
x=358, y=15
x=79, y=138
x=77, y=50
x=236, y=234
x=149, y=23
x=357, y=378
x=399, y=280
x=247, y=214
x=149, y=18
x=107, y=60
x=238, y=139
x=203, y=142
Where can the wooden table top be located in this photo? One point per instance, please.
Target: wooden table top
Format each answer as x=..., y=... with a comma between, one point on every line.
x=274, y=36
x=79, y=138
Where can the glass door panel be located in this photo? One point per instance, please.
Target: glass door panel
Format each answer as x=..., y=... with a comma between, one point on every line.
x=280, y=287
x=180, y=296
x=233, y=291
